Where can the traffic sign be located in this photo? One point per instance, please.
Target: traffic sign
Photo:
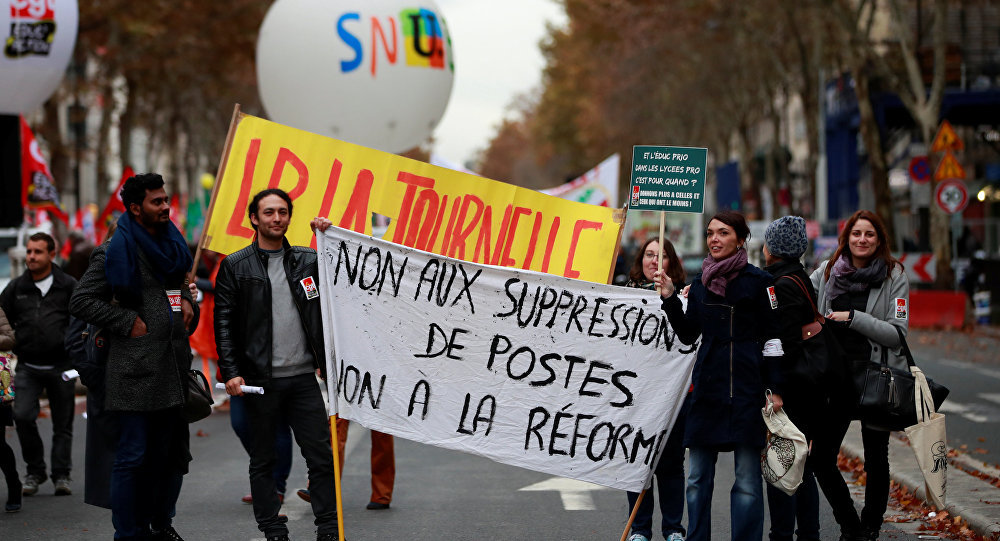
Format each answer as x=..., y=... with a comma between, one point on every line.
x=920, y=169
x=951, y=196
x=919, y=266
x=949, y=168
x=946, y=139
x=668, y=179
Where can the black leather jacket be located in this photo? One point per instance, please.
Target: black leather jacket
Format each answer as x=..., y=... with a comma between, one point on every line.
x=39, y=322
x=243, y=311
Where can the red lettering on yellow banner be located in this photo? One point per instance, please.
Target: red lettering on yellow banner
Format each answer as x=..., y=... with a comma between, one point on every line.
x=412, y=183
x=285, y=157
x=331, y=190
x=422, y=219
x=356, y=212
x=427, y=243
x=446, y=242
x=553, y=231
x=531, y=242
x=235, y=226
x=570, y=272
x=462, y=231
x=505, y=260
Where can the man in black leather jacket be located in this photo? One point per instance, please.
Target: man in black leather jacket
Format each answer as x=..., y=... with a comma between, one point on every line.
x=37, y=305
x=269, y=333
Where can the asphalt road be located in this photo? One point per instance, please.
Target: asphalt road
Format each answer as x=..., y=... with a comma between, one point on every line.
x=972, y=407
x=439, y=494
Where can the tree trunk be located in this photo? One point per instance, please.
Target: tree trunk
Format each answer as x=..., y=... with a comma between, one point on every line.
x=876, y=155
x=60, y=163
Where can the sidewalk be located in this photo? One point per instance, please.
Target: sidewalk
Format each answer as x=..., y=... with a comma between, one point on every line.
x=975, y=500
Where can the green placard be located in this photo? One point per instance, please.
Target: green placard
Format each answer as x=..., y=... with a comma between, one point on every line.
x=668, y=178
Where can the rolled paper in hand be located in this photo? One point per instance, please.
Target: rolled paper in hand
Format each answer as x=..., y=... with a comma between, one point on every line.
x=245, y=388
x=70, y=375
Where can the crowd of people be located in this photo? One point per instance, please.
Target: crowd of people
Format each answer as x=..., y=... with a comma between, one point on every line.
x=124, y=323
x=750, y=323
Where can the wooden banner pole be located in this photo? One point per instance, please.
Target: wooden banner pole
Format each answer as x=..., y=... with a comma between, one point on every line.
x=659, y=254
x=619, y=218
x=215, y=189
x=631, y=518
x=335, y=447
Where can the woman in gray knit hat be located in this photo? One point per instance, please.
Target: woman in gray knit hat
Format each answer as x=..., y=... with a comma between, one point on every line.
x=805, y=400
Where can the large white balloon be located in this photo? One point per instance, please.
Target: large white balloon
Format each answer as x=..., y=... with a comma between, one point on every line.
x=38, y=37
x=377, y=73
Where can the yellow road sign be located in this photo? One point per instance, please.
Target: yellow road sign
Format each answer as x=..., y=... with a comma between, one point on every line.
x=949, y=168
x=946, y=139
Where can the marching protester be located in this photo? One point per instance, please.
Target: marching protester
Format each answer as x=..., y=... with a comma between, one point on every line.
x=865, y=292
x=88, y=348
x=383, y=464
x=269, y=333
x=669, y=473
x=785, y=241
x=7, y=391
x=730, y=308
x=134, y=289
x=203, y=342
x=37, y=306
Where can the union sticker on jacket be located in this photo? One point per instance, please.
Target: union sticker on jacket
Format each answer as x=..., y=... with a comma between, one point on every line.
x=309, y=286
x=900, y=308
x=174, y=296
x=772, y=297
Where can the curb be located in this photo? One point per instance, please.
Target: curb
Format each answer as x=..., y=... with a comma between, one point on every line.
x=976, y=501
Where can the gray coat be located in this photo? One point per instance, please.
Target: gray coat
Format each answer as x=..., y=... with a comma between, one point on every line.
x=145, y=373
x=880, y=319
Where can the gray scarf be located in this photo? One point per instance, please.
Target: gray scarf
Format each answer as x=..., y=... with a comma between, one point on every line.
x=845, y=278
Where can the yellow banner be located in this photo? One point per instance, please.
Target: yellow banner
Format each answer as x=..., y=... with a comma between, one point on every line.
x=431, y=208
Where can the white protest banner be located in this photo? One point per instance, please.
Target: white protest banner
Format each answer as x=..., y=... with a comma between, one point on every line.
x=562, y=376
x=598, y=186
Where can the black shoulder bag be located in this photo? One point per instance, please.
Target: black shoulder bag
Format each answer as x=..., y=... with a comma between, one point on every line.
x=823, y=362
x=885, y=393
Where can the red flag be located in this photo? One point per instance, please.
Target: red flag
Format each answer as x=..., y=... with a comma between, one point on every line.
x=175, y=212
x=114, y=204
x=37, y=188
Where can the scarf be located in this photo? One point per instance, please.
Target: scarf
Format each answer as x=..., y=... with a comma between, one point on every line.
x=167, y=252
x=845, y=278
x=716, y=274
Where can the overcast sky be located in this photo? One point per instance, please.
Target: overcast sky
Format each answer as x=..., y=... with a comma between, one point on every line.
x=496, y=58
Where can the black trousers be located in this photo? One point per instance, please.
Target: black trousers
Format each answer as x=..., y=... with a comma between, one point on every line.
x=298, y=400
x=30, y=383
x=826, y=446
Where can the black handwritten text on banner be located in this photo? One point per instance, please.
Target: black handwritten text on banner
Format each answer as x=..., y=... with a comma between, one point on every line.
x=562, y=376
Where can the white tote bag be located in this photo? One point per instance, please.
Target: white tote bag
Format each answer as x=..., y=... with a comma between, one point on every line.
x=784, y=456
x=927, y=439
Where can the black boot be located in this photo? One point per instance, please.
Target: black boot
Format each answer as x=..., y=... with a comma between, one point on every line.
x=13, y=495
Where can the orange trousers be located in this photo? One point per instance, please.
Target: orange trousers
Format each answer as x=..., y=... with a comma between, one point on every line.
x=383, y=461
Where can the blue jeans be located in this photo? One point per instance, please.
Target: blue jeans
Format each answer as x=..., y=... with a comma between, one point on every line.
x=146, y=476
x=746, y=499
x=801, y=508
x=30, y=383
x=669, y=483
x=240, y=421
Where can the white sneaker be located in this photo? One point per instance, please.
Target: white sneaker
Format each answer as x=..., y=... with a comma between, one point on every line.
x=676, y=536
x=637, y=537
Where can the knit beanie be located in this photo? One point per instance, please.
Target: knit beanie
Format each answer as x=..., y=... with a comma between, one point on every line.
x=786, y=237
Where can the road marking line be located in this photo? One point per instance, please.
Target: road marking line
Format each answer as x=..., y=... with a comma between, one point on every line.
x=575, y=494
x=963, y=410
x=975, y=368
